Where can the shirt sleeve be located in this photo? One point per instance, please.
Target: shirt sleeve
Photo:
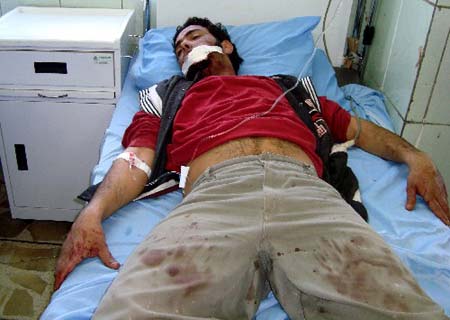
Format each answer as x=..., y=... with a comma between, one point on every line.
x=336, y=117
x=142, y=132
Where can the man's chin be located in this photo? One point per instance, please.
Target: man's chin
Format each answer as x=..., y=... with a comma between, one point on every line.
x=198, y=70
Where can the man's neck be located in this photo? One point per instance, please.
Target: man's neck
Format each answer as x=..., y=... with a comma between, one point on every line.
x=218, y=66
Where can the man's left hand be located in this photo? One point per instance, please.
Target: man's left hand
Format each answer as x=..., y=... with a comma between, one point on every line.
x=424, y=179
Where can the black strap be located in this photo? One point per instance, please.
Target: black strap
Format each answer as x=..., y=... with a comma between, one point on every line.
x=308, y=108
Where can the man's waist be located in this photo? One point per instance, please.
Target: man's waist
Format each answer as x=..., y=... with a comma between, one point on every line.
x=243, y=147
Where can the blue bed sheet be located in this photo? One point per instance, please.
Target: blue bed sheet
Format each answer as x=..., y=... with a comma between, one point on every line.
x=418, y=237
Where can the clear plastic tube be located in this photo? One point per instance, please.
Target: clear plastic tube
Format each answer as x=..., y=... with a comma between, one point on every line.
x=278, y=99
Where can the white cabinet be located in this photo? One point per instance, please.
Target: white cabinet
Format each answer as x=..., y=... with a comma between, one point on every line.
x=57, y=94
x=49, y=150
x=139, y=7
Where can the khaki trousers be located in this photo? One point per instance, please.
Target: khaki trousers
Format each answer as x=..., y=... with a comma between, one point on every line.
x=261, y=222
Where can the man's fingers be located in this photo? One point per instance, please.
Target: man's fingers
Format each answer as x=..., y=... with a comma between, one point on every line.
x=60, y=272
x=443, y=203
x=442, y=195
x=439, y=212
x=60, y=277
x=436, y=198
x=58, y=280
x=66, y=264
x=107, y=258
x=64, y=268
x=410, y=197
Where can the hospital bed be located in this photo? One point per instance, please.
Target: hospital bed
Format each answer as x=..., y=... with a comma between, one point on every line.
x=287, y=47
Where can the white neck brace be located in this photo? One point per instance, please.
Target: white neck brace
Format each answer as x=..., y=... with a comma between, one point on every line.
x=198, y=54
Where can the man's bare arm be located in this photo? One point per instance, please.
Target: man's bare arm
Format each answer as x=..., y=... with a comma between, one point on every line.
x=86, y=239
x=122, y=184
x=423, y=179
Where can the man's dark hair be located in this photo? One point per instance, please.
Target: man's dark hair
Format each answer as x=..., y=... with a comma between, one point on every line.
x=218, y=31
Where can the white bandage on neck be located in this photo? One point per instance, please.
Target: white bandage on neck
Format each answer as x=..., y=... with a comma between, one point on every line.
x=198, y=54
x=134, y=161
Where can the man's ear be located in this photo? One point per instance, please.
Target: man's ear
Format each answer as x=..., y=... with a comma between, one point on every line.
x=227, y=47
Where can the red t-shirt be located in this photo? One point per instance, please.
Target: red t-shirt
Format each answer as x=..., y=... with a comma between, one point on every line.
x=218, y=109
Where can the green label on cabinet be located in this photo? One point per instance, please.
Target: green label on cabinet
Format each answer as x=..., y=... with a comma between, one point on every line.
x=102, y=59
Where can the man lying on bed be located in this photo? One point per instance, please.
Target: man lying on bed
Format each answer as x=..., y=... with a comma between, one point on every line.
x=256, y=213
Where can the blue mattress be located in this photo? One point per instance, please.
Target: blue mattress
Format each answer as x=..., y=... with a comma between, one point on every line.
x=418, y=237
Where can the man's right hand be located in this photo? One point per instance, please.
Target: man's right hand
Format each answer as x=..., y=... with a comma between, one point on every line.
x=85, y=240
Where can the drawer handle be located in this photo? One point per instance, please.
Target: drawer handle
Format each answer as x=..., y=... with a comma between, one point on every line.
x=21, y=157
x=40, y=95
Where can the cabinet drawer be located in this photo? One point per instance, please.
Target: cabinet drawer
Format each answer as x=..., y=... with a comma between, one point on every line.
x=49, y=69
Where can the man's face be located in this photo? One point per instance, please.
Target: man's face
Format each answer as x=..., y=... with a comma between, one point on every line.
x=191, y=37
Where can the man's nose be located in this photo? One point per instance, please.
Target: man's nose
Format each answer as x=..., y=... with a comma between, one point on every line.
x=186, y=45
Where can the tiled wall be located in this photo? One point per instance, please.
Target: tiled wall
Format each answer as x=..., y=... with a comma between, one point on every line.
x=409, y=61
x=137, y=5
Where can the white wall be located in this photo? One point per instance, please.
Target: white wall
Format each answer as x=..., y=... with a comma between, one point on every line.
x=401, y=29
x=175, y=12
x=409, y=61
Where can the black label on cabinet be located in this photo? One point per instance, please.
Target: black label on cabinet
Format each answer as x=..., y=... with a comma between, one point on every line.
x=50, y=67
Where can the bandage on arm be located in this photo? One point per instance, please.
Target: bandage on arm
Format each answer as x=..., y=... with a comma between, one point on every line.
x=120, y=185
x=134, y=161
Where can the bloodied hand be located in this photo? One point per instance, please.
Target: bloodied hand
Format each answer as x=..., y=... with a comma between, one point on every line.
x=86, y=239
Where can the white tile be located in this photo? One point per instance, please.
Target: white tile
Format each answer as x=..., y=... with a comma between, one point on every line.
x=430, y=64
x=114, y=4
x=439, y=109
x=410, y=38
x=421, y=96
x=444, y=2
x=435, y=141
x=435, y=45
x=411, y=132
x=153, y=14
x=378, y=54
x=8, y=5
